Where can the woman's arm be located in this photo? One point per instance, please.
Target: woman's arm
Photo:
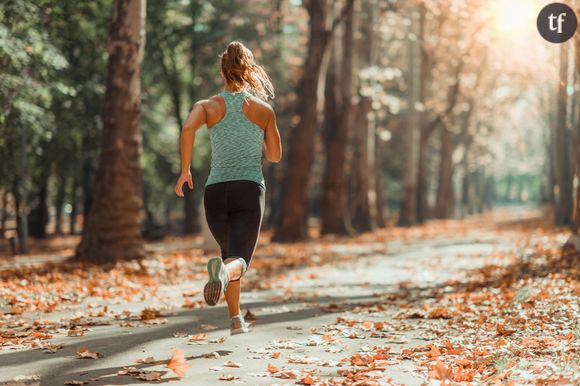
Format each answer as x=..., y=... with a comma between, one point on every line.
x=196, y=119
x=272, y=142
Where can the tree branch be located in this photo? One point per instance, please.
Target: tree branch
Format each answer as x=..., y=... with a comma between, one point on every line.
x=345, y=10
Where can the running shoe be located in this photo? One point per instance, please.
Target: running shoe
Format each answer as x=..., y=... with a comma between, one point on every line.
x=238, y=325
x=218, y=281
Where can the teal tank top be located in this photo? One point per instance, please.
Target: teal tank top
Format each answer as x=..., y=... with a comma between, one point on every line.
x=236, y=144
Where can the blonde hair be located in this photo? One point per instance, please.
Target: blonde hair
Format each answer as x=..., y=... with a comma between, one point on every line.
x=242, y=72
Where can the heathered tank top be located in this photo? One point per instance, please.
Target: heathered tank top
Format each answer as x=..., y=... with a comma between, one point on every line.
x=236, y=144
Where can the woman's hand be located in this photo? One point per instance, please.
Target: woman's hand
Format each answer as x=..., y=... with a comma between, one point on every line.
x=183, y=178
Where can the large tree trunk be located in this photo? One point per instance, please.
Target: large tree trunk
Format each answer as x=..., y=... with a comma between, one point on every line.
x=38, y=218
x=408, y=211
x=113, y=227
x=444, y=205
x=563, y=209
x=423, y=209
x=363, y=182
x=363, y=206
x=292, y=218
x=334, y=216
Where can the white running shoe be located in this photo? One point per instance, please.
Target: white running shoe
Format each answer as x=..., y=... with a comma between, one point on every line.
x=218, y=281
x=238, y=325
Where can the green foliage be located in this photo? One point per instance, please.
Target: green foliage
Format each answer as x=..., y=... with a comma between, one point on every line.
x=28, y=83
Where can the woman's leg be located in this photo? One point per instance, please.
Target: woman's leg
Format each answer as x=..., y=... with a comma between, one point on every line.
x=246, y=204
x=216, y=211
x=233, y=297
x=246, y=199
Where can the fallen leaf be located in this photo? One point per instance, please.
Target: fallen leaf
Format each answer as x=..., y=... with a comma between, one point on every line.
x=146, y=360
x=177, y=363
x=207, y=327
x=228, y=377
x=272, y=368
x=84, y=353
x=232, y=364
x=197, y=337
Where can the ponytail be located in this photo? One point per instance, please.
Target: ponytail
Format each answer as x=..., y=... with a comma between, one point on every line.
x=242, y=72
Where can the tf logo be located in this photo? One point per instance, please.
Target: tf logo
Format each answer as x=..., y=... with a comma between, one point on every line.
x=557, y=23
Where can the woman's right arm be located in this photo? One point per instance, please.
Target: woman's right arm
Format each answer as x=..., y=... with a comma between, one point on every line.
x=196, y=119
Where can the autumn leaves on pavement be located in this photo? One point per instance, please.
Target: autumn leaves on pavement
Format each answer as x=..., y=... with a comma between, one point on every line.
x=512, y=319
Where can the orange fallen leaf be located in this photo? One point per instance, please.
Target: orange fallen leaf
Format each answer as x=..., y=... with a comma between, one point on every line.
x=84, y=353
x=272, y=368
x=441, y=372
x=197, y=337
x=177, y=363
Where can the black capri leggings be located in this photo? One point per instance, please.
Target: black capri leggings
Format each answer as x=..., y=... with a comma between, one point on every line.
x=234, y=210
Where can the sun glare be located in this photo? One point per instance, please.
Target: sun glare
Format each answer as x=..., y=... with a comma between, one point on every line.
x=516, y=17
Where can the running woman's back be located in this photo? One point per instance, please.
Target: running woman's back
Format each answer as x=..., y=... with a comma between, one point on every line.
x=236, y=143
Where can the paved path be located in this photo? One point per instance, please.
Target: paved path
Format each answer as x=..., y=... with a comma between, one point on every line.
x=288, y=320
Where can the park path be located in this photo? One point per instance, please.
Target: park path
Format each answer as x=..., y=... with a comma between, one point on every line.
x=310, y=318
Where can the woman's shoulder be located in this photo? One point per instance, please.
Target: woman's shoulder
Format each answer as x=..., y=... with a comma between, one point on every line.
x=260, y=106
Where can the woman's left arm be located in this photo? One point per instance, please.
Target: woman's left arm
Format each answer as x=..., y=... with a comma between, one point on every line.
x=197, y=118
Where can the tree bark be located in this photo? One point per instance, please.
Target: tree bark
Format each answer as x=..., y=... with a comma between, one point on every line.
x=444, y=205
x=334, y=216
x=292, y=219
x=113, y=226
x=4, y=213
x=423, y=210
x=408, y=211
x=563, y=209
x=363, y=182
x=38, y=218
x=74, y=206
x=380, y=198
x=59, y=205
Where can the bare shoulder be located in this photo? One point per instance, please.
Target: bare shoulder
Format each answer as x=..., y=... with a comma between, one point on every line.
x=215, y=109
x=262, y=108
x=210, y=103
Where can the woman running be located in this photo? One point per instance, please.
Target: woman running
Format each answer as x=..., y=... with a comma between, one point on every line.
x=240, y=123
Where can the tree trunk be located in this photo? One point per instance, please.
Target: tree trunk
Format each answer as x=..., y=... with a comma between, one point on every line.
x=444, y=205
x=423, y=210
x=292, y=219
x=335, y=217
x=74, y=206
x=423, y=177
x=408, y=212
x=363, y=207
x=38, y=218
x=563, y=209
x=4, y=213
x=113, y=226
x=18, y=191
x=59, y=205
x=380, y=198
x=363, y=182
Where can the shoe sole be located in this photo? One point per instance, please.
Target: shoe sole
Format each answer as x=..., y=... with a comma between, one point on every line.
x=213, y=289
